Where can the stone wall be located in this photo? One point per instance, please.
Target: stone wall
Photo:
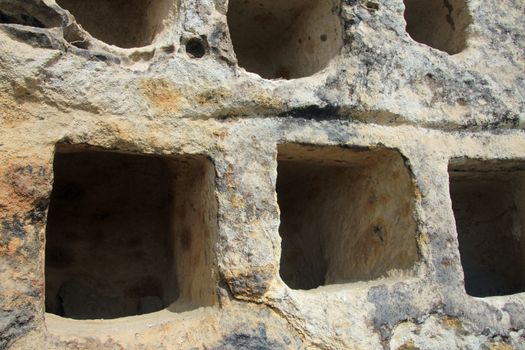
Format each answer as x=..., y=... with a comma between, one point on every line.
x=262, y=174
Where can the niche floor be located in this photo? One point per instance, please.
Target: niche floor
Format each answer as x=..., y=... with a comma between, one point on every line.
x=346, y=215
x=285, y=39
x=440, y=24
x=123, y=23
x=488, y=199
x=129, y=234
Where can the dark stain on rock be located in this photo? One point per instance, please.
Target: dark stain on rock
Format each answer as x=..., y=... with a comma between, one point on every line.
x=254, y=339
x=38, y=213
x=253, y=285
x=34, y=13
x=20, y=18
x=14, y=227
x=99, y=56
x=392, y=306
x=33, y=36
x=314, y=113
x=14, y=324
x=28, y=182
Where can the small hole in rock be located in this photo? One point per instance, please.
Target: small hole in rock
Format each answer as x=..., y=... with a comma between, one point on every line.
x=129, y=234
x=440, y=24
x=196, y=48
x=488, y=200
x=267, y=36
x=342, y=219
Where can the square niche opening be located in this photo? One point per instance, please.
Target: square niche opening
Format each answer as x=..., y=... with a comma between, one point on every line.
x=347, y=215
x=488, y=200
x=441, y=24
x=129, y=234
x=123, y=23
x=286, y=39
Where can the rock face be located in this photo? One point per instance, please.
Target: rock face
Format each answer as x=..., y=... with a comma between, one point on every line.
x=265, y=174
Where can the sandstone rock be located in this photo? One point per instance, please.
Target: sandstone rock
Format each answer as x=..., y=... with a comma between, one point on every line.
x=266, y=174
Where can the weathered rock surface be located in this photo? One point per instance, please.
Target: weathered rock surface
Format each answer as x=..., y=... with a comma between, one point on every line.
x=190, y=173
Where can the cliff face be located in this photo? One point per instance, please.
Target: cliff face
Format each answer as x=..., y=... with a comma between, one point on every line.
x=205, y=174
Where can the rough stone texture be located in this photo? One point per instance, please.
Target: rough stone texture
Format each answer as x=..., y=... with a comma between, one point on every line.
x=184, y=95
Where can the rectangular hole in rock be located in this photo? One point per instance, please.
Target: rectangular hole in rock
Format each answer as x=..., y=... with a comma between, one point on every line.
x=488, y=200
x=123, y=23
x=441, y=24
x=346, y=215
x=129, y=234
x=285, y=39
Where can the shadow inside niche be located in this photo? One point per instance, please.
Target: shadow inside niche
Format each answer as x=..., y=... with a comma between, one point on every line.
x=488, y=199
x=129, y=234
x=342, y=218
